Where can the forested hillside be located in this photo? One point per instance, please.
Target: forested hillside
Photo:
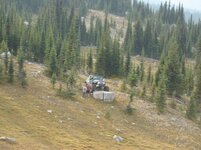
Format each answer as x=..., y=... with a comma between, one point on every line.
x=69, y=40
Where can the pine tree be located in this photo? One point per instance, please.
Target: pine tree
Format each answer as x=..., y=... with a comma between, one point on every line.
x=132, y=78
x=191, y=110
x=161, y=69
x=11, y=71
x=1, y=72
x=142, y=74
x=22, y=78
x=149, y=75
x=138, y=39
x=115, y=66
x=128, y=38
x=21, y=71
x=53, y=79
x=197, y=88
x=90, y=62
x=71, y=81
x=127, y=64
x=160, y=97
x=52, y=66
x=20, y=59
x=173, y=71
x=4, y=48
x=6, y=61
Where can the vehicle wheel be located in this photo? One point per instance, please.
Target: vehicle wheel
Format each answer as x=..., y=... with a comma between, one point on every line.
x=106, y=88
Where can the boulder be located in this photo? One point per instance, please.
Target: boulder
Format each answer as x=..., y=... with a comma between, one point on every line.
x=8, y=140
x=118, y=138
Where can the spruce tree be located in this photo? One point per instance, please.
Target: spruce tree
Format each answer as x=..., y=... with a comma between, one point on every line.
x=53, y=79
x=115, y=59
x=52, y=67
x=191, y=110
x=127, y=64
x=11, y=71
x=142, y=73
x=1, y=72
x=197, y=87
x=160, y=97
x=128, y=38
x=21, y=71
x=149, y=75
x=6, y=60
x=132, y=78
x=20, y=59
x=71, y=81
x=90, y=62
x=22, y=78
x=173, y=71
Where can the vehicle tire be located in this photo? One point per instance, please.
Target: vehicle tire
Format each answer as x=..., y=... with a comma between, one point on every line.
x=106, y=88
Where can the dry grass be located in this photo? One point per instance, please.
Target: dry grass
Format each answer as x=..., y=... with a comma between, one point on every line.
x=121, y=23
x=73, y=124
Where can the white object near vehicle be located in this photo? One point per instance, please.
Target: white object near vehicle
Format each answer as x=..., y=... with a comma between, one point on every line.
x=3, y=55
x=103, y=95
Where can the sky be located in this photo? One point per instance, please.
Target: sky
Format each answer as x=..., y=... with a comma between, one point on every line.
x=188, y=4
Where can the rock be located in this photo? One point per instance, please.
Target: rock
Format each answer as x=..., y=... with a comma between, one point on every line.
x=49, y=111
x=8, y=140
x=133, y=123
x=117, y=129
x=60, y=121
x=118, y=138
x=112, y=107
x=98, y=117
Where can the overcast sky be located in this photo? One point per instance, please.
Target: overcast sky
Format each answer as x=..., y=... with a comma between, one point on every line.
x=189, y=4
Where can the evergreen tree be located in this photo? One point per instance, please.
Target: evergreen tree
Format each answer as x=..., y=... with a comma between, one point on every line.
x=173, y=71
x=128, y=38
x=22, y=78
x=20, y=60
x=52, y=67
x=90, y=62
x=4, y=49
x=138, y=39
x=197, y=88
x=1, y=72
x=6, y=61
x=127, y=63
x=21, y=71
x=132, y=78
x=115, y=59
x=53, y=79
x=11, y=71
x=71, y=81
x=161, y=69
x=144, y=91
x=142, y=74
x=160, y=97
x=191, y=110
x=149, y=74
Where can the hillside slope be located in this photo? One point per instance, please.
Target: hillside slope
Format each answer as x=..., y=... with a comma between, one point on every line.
x=81, y=124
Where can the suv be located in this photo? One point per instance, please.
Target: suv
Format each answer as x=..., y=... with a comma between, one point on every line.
x=97, y=83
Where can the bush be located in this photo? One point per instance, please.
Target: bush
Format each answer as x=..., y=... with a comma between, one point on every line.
x=173, y=104
x=108, y=115
x=129, y=110
x=123, y=86
x=64, y=94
